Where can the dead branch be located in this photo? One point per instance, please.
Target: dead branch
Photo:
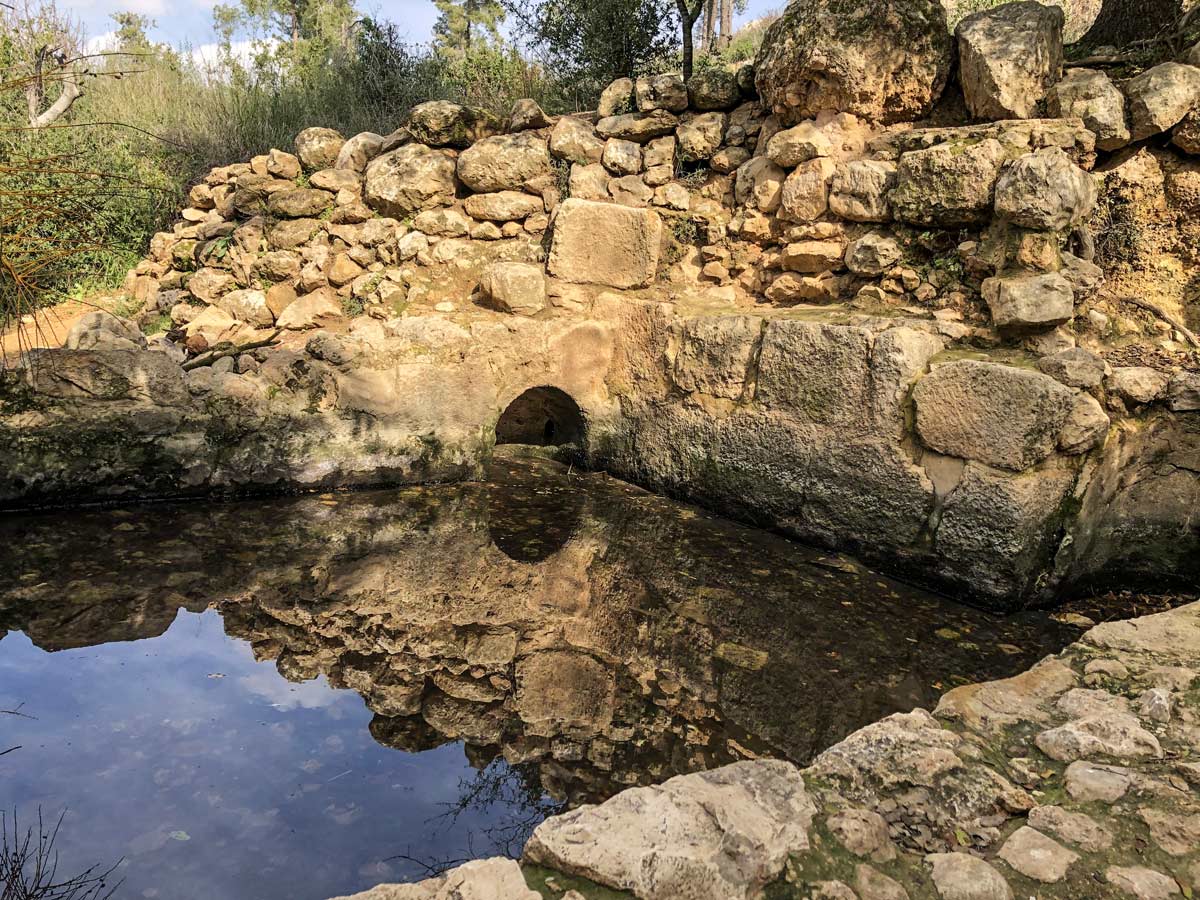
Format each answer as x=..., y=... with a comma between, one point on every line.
x=207, y=359
x=1116, y=60
x=35, y=91
x=1165, y=316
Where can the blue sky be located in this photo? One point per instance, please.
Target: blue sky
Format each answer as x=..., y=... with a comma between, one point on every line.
x=190, y=21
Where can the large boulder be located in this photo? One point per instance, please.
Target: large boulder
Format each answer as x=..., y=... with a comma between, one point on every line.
x=318, y=148
x=440, y=123
x=759, y=184
x=1000, y=415
x=723, y=833
x=886, y=62
x=948, y=185
x=700, y=135
x=638, y=127
x=1090, y=95
x=603, y=243
x=1029, y=302
x=667, y=92
x=1160, y=97
x=1009, y=56
x=409, y=180
x=1045, y=190
x=504, y=162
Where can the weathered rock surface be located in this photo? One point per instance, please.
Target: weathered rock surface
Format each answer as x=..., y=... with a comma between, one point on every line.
x=409, y=180
x=514, y=287
x=719, y=834
x=1029, y=302
x=821, y=55
x=948, y=184
x=1009, y=56
x=440, y=123
x=960, y=876
x=999, y=415
x=1090, y=95
x=480, y=879
x=318, y=148
x=1045, y=190
x=1160, y=97
x=504, y=162
x=859, y=190
x=598, y=243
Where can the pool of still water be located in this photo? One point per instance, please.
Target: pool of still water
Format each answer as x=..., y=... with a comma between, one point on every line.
x=303, y=697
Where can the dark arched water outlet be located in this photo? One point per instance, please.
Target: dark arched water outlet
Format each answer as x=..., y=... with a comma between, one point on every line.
x=543, y=416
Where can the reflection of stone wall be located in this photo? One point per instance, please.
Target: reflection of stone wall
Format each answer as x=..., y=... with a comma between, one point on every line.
x=645, y=641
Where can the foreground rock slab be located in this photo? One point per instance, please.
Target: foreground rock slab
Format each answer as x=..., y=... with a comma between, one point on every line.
x=718, y=834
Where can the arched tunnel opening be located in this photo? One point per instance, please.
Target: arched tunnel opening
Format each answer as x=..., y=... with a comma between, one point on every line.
x=542, y=416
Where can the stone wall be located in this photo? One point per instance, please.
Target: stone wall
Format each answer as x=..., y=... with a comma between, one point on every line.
x=790, y=290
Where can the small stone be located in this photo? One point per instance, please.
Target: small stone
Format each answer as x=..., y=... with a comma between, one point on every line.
x=1088, y=781
x=1075, y=828
x=872, y=254
x=1036, y=856
x=1142, y=883
x=960, y=876
x=1176, y=833
x=1076, y=367
x=1112, y=734
x=793, y=146
x=863, y=833
x=872, y=884
x=1086, y=426
x=622, y=157
x=832, y=890
x=1138, y=384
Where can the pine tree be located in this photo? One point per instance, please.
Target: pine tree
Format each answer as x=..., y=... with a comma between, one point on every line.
x=466, y=24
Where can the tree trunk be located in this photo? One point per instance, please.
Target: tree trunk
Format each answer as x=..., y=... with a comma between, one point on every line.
x=710, y=25
x=35, y=91
x=726, y=24
x=1121, y=22
x=688, y=14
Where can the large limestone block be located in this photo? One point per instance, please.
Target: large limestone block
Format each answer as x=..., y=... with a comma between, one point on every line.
x=997, y=531
x=712, y=354
x=1009, y=56
x=805, y=195
x=950, y=184
x=409, y=180
x=1160, y=97
x=440, y=123
x=1090, y=95
x=759, y=184
x=700, y=135
x=816, y=372
x=504, y=162
x=638, y=127
x=996, y=414
x=310, y=311
x=717, y=835
x=603, y=243
x=107, y=374
x=1045, y=190
x=887, y=63
x=714, y=89
x=661, y=92
x=1029, y=302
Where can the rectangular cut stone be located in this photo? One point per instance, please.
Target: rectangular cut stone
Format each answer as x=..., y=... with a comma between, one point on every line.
x=819, y=373
x=604, y=243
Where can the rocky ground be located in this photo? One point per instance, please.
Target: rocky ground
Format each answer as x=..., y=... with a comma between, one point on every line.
x=1077, y=779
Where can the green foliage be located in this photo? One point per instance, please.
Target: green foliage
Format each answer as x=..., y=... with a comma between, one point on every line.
x=466, y=25
x=589, y=43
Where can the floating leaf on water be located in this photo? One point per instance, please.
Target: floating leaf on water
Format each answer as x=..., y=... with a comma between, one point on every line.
x=179, y=836
x=948, y=634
